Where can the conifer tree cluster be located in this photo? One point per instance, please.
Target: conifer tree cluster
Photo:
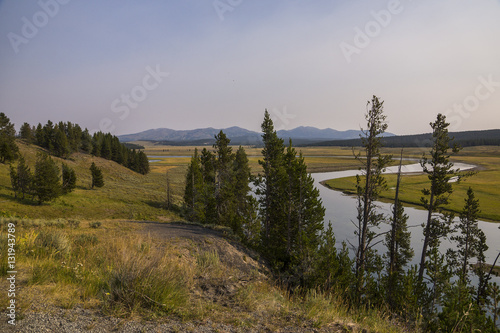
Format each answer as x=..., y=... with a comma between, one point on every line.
x=44, y=184
x=62, y=139
x=439, y=293
x=290, y=209
x=217, y=188
x=284, y=220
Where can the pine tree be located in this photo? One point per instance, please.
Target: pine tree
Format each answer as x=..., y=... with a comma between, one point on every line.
x=333, y=268
x=39, y=135
x=24, y=177
x=242, y=198
x=309, y=216
x=142, y=163
x=269, y=189
x=439, y=170
x=495, y=302
x=207, y=189
x=60, y=144
x=86, y=142
x=8, y=147
x=399, y=247
x=46, y=180
x=48, y=136
x=224, y=159
x=96, y=146
x=106, y=146
x=26, y=133
x=290, y=208
x=470, y=241
x=368, y=189
x=194, y=189
x=97, y=177
x=68, y=179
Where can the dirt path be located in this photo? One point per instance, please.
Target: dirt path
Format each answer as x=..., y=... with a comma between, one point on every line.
x=177, y=230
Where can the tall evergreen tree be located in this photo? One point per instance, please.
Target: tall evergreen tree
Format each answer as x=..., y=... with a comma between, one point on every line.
x=68, y=179
x=207, y=189
x=290, y=208
x=241, y=193
x=86, y=142
x=399, y=247
x=439, y=170
x=97, y=177
x=194, y=189
x=269, y=188
x=142, y=163
x=48, y=136
x=308, y=218
x=333, y=267
x=39, y=135
x=21, y=178
x=8, y=147
x=26, y=133
x=368, y=189
x=60, y=144
x=224, y=186
x=46, y=180
x=470, y=240
x=459, y=297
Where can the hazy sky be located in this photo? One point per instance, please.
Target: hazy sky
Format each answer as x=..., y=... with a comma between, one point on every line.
x=127, y=66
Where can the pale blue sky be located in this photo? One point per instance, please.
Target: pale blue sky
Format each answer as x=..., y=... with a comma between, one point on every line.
x=306, y=61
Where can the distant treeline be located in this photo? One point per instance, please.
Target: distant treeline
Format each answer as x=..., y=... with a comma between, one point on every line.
x=463, y=139
x=62, y=139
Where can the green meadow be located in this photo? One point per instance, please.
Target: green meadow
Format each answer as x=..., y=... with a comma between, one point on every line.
x=485, y=183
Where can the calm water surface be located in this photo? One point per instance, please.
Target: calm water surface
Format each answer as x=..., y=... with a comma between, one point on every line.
x=341, y=211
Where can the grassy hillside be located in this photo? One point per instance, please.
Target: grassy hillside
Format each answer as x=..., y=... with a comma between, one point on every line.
x=126, y=194
x=123, y=270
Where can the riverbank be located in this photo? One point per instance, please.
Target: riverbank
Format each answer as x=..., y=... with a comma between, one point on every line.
x=484, y=183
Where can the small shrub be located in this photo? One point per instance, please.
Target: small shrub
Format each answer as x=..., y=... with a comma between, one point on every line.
x=52, y=243
x=74, y=224
x=95, y=224
x=85, y=240
x=139, y=282
x=56, y=223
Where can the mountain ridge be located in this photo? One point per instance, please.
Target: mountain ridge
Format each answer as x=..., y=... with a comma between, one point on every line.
x=239, y=134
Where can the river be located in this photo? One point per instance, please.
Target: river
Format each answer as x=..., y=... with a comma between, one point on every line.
x=341, y=211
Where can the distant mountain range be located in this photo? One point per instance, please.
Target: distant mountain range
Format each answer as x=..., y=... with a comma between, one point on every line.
x=238, y=135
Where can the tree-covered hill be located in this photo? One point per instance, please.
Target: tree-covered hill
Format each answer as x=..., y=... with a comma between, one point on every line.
x=464, y=139
x=62, y=139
